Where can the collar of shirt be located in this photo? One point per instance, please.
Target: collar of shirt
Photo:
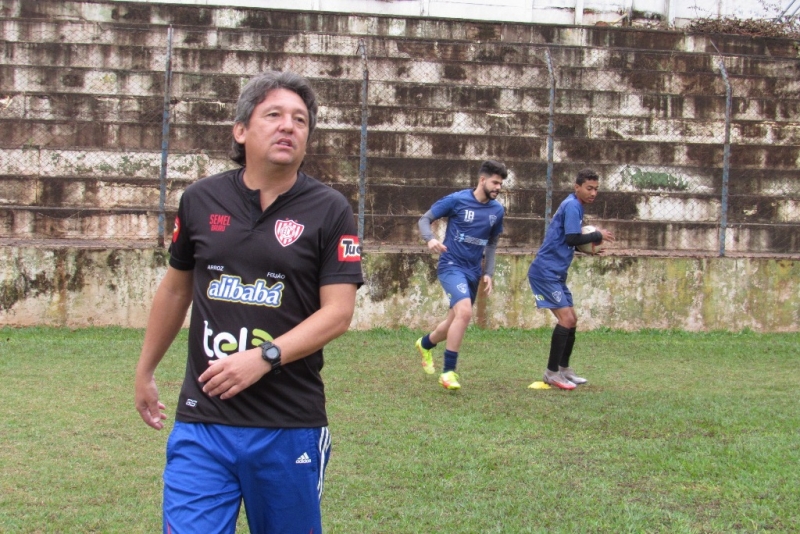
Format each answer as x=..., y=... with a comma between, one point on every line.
x=253, y=196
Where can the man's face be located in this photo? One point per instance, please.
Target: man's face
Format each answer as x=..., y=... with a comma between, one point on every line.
x=278, y=130
x=492, y=185
x=587, y=191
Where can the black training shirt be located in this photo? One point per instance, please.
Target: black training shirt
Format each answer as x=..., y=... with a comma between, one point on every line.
x=256, y=276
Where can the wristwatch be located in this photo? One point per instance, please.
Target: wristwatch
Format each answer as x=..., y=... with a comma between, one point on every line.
x=271, y=353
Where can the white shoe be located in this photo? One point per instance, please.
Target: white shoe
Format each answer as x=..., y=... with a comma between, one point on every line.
x=570, y=375
x=557, y=380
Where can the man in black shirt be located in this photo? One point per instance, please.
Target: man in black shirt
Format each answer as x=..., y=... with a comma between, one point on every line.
x=269, y=260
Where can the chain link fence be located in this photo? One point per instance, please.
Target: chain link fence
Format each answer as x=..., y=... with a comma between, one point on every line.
x=695, y=156
x=107, y=124
x=764, y=173
x=653, y=127
x=436, y=113
x=82, y=121
x=209, y=69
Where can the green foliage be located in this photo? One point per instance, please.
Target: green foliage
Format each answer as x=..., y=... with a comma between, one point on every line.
x=651, y=180
x=675, y=432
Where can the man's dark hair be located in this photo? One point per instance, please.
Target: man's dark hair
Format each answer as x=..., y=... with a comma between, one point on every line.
x=256, y=91
x=586, y=174
x=491, y=167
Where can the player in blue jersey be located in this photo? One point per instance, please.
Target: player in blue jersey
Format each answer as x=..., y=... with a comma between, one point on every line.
x=474, y=223
x=548, y=275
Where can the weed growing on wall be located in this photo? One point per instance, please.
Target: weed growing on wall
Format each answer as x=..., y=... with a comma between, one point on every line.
x=780, y=23
x=653, y=180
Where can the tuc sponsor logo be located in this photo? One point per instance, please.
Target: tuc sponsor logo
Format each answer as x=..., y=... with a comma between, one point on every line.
x=288, y=231
x=349, y=248
x=219, y=223
x=231, y=289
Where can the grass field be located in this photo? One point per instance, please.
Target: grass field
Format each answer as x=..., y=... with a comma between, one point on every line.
x=676, y=432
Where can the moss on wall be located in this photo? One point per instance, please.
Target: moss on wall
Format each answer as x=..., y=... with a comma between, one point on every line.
x=81, y=287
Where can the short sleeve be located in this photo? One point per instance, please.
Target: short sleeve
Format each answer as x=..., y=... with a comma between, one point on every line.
x=341, y=254
x=573, y=218
x=444, y=207
x=181, y=250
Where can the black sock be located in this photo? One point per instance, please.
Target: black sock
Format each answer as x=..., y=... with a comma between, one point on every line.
x=568, y=348
x=558, y=344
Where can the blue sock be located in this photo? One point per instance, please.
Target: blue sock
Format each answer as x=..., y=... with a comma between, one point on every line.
x=450, y=359
x=426, y=342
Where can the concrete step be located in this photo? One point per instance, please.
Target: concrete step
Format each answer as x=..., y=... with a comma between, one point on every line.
x=39, y=90
x=655, y=206
x=136, y=227
x=697, y=167
x=221, y=50
x=234, y=54
x=27, y=121
x=522, y=204
x=135, y=14
x=183, y=168
x=27, y=222
x=85, y=192
x=30, y=222
x=630, y=235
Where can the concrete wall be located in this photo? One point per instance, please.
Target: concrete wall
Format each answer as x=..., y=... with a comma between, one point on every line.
x=539, y=11
x=81, y=90
x=83, y=86
x=78, y=287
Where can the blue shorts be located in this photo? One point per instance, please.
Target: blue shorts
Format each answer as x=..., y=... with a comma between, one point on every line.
x=458, y=286
x=550, y=294
x=277, y=472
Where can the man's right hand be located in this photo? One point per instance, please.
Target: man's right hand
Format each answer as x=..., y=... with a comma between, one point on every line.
x=434, y=245
x=607, y=236
x=147, y=403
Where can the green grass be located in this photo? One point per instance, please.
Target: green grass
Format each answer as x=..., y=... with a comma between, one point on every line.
x=676, y=432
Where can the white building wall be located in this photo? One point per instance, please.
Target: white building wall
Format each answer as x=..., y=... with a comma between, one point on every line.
x=679, y=12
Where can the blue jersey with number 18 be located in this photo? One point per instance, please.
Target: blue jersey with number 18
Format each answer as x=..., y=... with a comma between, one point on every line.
x=470, y=226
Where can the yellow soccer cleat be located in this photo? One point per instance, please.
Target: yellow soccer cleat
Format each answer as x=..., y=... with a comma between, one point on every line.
x=427, y=358
x=449, y=380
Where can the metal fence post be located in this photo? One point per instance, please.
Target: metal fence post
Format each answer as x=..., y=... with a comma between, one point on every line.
x=726, y=156
x=362, y=164
x=548, y=206
x=162, y=198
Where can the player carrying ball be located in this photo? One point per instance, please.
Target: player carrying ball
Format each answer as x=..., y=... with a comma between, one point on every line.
x=547, y=275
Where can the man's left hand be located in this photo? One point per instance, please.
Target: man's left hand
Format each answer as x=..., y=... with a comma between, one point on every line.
x=229, y=376
x=487, y=284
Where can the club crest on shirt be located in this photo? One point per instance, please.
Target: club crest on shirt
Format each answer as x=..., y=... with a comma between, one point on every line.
x=492, y=220
x=288, y=231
